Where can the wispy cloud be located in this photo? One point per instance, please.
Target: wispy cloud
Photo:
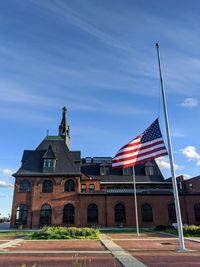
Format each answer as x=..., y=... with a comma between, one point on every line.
x=177, y=133
x=5, y=184
x=7, y=172
x=18, y=95
x=191, y=153
x=62, y=11
x=189, y=103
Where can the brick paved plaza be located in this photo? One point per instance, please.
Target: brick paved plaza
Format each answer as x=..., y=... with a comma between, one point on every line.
x=151, y=249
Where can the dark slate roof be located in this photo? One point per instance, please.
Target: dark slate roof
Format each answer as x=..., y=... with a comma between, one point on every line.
x=49, y=154
x=67, y=162
x=116, y=175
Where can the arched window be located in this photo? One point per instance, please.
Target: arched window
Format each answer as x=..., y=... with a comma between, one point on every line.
x=45, y=214
x=69, y=186
x=24, y=186
x=197, y=212
x=120, y=213
x=147, y=214
x=22, y=214
x=172, y=213
x=68, y=214
x=92, y=213
x=47, y=186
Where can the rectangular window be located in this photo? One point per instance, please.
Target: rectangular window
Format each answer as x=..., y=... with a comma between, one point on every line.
x=149, y=170
x=88, y=160
x=49, y=163
x=83, y=188
x=91, y=187
x=128, y=171
x=104, y=171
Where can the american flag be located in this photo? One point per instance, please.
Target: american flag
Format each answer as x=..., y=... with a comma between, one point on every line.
x=147, y=146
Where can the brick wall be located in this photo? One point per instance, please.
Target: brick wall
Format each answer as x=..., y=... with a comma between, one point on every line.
x=106, y=203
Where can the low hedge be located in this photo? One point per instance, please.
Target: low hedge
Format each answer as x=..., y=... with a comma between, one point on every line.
x=65, y=233
x=188, y=231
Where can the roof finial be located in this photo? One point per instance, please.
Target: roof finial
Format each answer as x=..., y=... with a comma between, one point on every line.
x=64, y=127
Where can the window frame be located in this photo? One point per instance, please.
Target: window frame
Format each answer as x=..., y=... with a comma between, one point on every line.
x=120, y=213
x=49, y=163
x=45, y=220
x=104, y=170
x=70, y=188
x=69, y=214
x=45, y=186
x=22, y=188
x=83, y=188
x=91, y=187
x=127, y=171
x=147, y=213
x=22, y=214
x=197, y=212
x=171, y=213
x=92, y=214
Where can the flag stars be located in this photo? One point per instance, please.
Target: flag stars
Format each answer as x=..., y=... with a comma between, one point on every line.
x=153, y=132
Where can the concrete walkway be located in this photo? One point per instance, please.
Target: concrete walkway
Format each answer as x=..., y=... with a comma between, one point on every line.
x=124, y=257
x=11, y=243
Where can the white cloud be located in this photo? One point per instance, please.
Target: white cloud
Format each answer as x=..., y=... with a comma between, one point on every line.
x=164, y=164
x=186, y=176
x=7, y=172
x=189, y=103
x=5, y=184
x=190, y=152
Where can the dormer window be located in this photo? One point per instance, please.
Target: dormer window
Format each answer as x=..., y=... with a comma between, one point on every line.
x=49, y=160
x=128, y=171
x=149, y=170
x=104, y=170
x=49, y=163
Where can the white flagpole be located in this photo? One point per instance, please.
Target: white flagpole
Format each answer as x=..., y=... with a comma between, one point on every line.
x=173, y=173
x=135, y=199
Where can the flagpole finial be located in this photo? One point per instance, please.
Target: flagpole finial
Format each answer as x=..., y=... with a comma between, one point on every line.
x=157, y=45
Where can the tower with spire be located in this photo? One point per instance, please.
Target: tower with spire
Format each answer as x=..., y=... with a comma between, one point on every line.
x=64, y=128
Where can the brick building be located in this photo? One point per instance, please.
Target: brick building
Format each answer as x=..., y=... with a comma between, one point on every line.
x=55, y=186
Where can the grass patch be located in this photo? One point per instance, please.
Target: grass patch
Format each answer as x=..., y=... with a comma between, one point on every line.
x=65, y=233
x=15, y=233
x=188, y=231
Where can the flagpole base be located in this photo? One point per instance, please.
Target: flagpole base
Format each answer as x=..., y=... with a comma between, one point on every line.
x=183, y=250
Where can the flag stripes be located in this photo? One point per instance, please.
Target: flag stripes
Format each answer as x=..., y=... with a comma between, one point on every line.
x=147, y=146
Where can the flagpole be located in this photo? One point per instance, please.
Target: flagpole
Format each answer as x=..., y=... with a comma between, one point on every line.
x=173, y=173
x=135, y=199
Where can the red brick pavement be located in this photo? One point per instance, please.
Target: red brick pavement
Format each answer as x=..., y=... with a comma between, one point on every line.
x=83, y=245
x=167, y=258
x=49, y=260
x=154, y=250
x=160, y=253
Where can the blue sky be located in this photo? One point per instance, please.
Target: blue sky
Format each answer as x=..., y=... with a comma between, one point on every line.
x=98, y=58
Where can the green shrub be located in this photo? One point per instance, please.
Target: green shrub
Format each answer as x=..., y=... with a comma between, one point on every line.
x=188, y=231
x=66, y=233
